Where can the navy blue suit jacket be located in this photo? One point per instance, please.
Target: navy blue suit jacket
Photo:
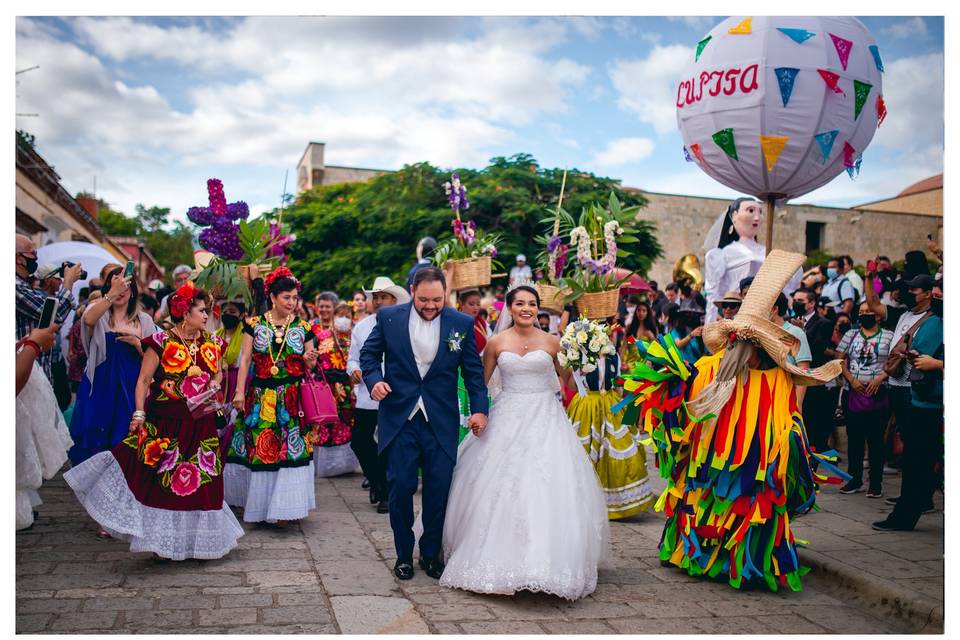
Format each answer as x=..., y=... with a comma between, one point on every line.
x=389, y=343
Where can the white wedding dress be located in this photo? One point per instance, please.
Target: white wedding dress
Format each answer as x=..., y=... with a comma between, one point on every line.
x=526, y=510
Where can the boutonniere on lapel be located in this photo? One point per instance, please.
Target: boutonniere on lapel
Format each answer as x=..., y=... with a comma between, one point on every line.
x=454, y=340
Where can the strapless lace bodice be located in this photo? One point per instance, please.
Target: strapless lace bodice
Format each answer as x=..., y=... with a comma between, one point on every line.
x=530, y=373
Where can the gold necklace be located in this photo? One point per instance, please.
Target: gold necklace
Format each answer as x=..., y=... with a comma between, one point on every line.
x=282, y=339
x=278, y=331
x=192, y=349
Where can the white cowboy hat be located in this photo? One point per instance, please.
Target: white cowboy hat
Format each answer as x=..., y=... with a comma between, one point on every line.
x=384, y=284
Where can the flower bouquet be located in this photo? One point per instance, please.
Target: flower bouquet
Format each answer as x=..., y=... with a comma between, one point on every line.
x=597, y=237
x=582, y=345
x=242, y=249
x=472, y=251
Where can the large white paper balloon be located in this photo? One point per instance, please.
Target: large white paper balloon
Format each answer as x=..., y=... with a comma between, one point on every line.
x=778, y=106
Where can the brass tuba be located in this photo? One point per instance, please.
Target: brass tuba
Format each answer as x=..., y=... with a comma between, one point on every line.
x=688, y=268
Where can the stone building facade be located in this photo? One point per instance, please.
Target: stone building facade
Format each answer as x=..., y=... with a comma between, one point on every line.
x=312, y=171
x=683, y=221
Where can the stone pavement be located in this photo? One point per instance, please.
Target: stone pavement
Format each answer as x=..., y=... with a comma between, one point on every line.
x=332, y=573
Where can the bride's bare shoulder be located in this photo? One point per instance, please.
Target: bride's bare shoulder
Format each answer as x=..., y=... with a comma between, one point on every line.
x=551, y=343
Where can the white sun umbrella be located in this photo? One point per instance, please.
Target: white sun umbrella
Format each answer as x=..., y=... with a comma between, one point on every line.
x=91, y=256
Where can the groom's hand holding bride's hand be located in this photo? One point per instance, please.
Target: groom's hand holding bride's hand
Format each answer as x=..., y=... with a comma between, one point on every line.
x=477, y=423
x=380, y=391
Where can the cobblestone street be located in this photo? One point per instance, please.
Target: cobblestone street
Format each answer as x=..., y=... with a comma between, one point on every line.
x=332, y=573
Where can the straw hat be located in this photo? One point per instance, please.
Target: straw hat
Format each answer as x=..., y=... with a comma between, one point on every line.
x=752, y=322
x=729, y=296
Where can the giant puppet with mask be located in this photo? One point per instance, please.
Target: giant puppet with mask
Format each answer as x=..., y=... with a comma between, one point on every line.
x=733, y=252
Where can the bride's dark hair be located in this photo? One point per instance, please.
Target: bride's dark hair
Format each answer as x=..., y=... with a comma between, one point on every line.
x=513, y=294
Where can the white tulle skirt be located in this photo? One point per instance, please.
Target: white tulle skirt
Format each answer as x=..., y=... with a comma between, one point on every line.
x=526, y=510
x=42, y=440
x=268, y=496
x=103, y=491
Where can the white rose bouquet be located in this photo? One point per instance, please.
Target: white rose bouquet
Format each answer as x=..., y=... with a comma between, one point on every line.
x=582, y=345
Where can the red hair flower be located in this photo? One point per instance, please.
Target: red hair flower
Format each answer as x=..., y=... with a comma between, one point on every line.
x=276, y=274
x=182, y=299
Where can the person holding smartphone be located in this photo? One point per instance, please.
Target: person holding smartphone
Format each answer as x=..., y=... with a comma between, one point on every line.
x=111, y=331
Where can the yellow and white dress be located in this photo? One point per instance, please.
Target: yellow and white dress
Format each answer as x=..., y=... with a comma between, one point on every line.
x=613, y=446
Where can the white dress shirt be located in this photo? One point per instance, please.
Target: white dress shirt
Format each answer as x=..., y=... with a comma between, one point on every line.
x=359, y=336
x=425, y=340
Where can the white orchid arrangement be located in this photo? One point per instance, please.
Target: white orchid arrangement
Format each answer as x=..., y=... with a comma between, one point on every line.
x=599, y=238
x=582, y=345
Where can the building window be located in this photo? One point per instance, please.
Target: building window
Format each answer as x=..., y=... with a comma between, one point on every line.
x=814, y=236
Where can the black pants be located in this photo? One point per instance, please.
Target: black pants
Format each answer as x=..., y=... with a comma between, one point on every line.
x=61, y=384
x=922, y=440
x=819, y=405
x=365, y=448
x=866, y=426
x=901, y=410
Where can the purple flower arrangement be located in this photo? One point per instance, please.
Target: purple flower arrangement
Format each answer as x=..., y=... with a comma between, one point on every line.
x=221, y=235
x=456, y=193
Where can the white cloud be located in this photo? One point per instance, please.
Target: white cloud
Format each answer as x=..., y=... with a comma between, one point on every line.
x=697, y=23
x=623, y=151
x=913, y=28
x=648, y=86
x=913, y=93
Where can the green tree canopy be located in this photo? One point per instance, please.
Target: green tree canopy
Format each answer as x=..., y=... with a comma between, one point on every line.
x=347, y=234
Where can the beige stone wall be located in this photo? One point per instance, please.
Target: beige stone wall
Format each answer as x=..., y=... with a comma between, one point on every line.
x=683, y=222
x=925, y=203
x=339, y=175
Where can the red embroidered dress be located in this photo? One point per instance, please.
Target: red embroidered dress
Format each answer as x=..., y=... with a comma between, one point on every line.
x=333, y=348
x=162, y=487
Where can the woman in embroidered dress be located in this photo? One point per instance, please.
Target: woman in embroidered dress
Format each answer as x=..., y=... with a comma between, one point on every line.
x=232, y=315
x=161, y=488
x=111, y=330
x=333, y=456
x=269, y=470
x=613, y=446
x=468, y=302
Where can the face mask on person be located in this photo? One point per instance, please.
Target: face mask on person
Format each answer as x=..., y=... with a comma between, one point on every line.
x=230, y=321
x=831, y=273
x=936, y=305
x=342, y=324
x=908, y=299
x=31, y=265
x=868, y=320
x=799, y=308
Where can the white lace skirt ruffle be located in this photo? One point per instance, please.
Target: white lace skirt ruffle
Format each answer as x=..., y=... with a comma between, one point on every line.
x=526, y=510
x=335, y=461
x=42, y=441
x=268, y=496
x=103, y=491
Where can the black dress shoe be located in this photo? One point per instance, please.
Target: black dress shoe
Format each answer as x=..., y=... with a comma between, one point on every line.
x=383, y=507
x=374, y=495
x=403, y=570
x=432, y=567
x=890, y=525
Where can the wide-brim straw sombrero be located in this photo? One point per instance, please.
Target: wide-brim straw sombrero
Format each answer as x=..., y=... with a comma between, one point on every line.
x=752, y=322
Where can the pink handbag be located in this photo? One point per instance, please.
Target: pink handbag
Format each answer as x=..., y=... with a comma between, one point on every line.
x=317, y=404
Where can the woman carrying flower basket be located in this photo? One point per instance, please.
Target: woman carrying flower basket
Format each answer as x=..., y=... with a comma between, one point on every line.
x=269, y=470
x=161, y=488
x=613, y=446
x=332, y=455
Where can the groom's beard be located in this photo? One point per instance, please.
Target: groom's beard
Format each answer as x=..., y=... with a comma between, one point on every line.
x=420, y=313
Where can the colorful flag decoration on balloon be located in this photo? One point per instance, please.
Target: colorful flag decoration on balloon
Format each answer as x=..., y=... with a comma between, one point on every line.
x=875, y=52
x=772, y=148
x=831, y=79
x=701, y=46
x=861, y=90
x=825, y=141
x=843, y=47
x=686, y=155
x=881, y=110
x=742, y=29
x=854, y=171
x=848, y=152
x=697, y=152
x=724, y=140
x=786, y=77
x=797, y=35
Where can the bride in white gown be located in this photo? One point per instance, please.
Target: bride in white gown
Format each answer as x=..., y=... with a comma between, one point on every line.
x=526, y=510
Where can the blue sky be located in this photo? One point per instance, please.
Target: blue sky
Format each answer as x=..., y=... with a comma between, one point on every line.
x=154, y=107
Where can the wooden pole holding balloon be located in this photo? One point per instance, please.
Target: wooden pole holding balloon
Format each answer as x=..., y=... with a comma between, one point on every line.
x=770, y=207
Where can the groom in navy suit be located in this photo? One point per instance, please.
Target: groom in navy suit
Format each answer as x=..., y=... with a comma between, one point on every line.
x=422, y=345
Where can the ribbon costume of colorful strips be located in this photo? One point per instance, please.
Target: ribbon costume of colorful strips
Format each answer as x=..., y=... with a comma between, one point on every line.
x=733, y=480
